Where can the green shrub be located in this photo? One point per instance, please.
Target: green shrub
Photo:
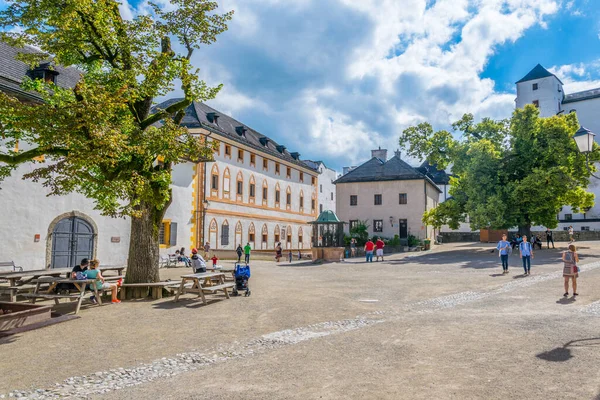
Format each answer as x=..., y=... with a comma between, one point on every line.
x=413, y=241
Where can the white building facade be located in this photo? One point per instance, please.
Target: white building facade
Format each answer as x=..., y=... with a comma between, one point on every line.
x=326, y=191
x=545, y=90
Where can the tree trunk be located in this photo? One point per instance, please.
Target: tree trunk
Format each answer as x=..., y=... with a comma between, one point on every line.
x=525, y=230
x=142, y=264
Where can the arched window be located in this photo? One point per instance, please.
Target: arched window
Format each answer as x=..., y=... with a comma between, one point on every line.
x=240, y=187
x=288, y=198
x=300, y=238
x=214, y=181
x=238, y=234
x=302, y=201
x=251, y=235
x=265, y=193
x=252, y=190
x=289, y=237
x=313, y=203
x=225, y=233
x=276, y=232
x=277, y=195
x=226, y=183
x=213, y=232
x=264, y=237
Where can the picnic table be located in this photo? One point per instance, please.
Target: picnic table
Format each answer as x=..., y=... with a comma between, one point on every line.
x=210, y=282
x=16, y=281
x=80, y=284
x=226, y=271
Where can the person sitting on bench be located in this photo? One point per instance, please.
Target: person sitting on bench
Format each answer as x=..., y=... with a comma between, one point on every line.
x=94, y=273
x=197, y=262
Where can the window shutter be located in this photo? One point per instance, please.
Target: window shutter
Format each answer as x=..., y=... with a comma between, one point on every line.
x=173, y=236
x=225, y=235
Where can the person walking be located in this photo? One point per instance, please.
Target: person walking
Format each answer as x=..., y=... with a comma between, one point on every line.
x=206, y=249
x=379, y=245
x=353, y=247
x=571, y=234
x=549, y=238
x=526, y=253
x=278, y=252
x=247, y=250
x=239, y=251
x=570, y=269
x=369, y=247
x=504, y=249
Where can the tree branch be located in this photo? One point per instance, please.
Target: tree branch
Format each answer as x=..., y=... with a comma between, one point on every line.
x=29, y=155
x=173, y=108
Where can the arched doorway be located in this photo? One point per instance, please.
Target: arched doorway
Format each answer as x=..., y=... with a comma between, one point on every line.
x=72, y=240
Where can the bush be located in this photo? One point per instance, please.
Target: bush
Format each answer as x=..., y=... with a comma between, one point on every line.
x=413, y=241
x=360, y=232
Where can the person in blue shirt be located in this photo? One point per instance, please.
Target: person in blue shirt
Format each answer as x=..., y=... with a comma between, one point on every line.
x=526, y=253
x=504, y=248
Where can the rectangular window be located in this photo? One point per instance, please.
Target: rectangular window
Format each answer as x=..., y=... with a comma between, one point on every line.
x=377, y=199
x=535, y=86
x=536, y=103
x=241, y=155
x=313, y=181
x=265, y=164
x=402, y=198
x=288, y=172
x=568, y=217
x=378, y=225
x=252, y=160
x=320, y=208
x=277, y=168
x=277, y=196
x=585, y=228
x=264, y=238
x=321, y=188
x=251, y=237
x=215, y=182
x=225, y=235
x=240, y=187
x=331, y=195
x=265, y=193
x=301, y=202
x=353, y=200
x=276, y=237
x=228, y=150
x=252, y=190
x=353, y=223
x=301, y=176
x=288, y=199
x=313, y=205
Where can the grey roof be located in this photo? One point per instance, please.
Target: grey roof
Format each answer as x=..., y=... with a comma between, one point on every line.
x=439, y=177
x=313, y=164
x=538, y=72
x=376, y=169
x=13, y=71
x=581, y=96
x=196, y=116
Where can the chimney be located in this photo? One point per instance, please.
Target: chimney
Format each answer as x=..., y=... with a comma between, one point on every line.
x=348, y=169
x=379, y=153
x=398, y=154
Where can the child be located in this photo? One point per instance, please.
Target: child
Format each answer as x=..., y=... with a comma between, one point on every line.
x=570, y=269
x=214, y=260
x=290, y=256
x=504, y=250
x=197, y=262
x=93, y=273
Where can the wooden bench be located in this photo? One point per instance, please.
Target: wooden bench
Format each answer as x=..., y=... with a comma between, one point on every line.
x=156, y=287
x=223, y=287
x=11, y=265
x=14, y=291
x=209, y=282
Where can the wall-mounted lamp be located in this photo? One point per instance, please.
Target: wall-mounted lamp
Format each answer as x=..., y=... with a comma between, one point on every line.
x=392, y=221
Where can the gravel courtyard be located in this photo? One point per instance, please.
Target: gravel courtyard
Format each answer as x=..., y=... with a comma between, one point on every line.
x=441, y=325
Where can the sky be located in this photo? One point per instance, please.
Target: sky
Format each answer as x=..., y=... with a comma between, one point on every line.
x=333, y=79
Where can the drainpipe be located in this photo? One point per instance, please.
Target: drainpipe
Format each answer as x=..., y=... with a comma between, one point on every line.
x=425, y=196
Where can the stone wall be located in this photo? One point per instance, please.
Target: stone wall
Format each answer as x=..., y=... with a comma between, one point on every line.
x=453, y=237
x=559, y=236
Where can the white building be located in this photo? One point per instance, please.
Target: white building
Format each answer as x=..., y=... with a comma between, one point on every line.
x=545, y=90
x=390, y=195
x=327, y=195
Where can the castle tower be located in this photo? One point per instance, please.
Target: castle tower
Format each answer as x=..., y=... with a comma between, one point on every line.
x=541, y=88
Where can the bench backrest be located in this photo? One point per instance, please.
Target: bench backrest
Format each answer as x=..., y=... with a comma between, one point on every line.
x=9, y=265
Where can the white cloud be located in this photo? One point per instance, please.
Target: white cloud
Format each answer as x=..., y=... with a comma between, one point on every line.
x=578, y=77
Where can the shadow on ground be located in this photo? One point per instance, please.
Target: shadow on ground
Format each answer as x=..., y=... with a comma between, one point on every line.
x=562, y=354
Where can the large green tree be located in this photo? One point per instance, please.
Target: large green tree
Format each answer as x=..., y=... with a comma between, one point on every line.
x=104, y=137
x=508, y=173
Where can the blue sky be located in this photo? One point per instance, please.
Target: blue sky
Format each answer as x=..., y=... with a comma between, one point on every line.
x=332, y=79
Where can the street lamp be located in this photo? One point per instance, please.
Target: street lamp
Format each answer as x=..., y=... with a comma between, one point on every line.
x=584, y=138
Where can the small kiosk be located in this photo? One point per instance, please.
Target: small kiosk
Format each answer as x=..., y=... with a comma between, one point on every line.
x=328, y=237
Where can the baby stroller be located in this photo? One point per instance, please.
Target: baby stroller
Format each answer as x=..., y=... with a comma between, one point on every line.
x=242, y=275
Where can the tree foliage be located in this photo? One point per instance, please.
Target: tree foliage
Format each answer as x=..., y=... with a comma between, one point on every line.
x=516, y=172
x=103, y=137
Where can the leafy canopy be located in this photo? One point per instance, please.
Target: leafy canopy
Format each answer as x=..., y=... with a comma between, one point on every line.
x=516, y=172
x=104, y=137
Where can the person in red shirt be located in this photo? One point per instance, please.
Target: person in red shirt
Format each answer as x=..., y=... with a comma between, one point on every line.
x=379, y=245
x=214, y=260
x=369, y=247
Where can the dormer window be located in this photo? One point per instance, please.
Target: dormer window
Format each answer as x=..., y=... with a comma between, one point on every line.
x=213, y=118
x=295, y=155
x=240, y=130
x=264, y=141
x=45, y=72
x=280, y=148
